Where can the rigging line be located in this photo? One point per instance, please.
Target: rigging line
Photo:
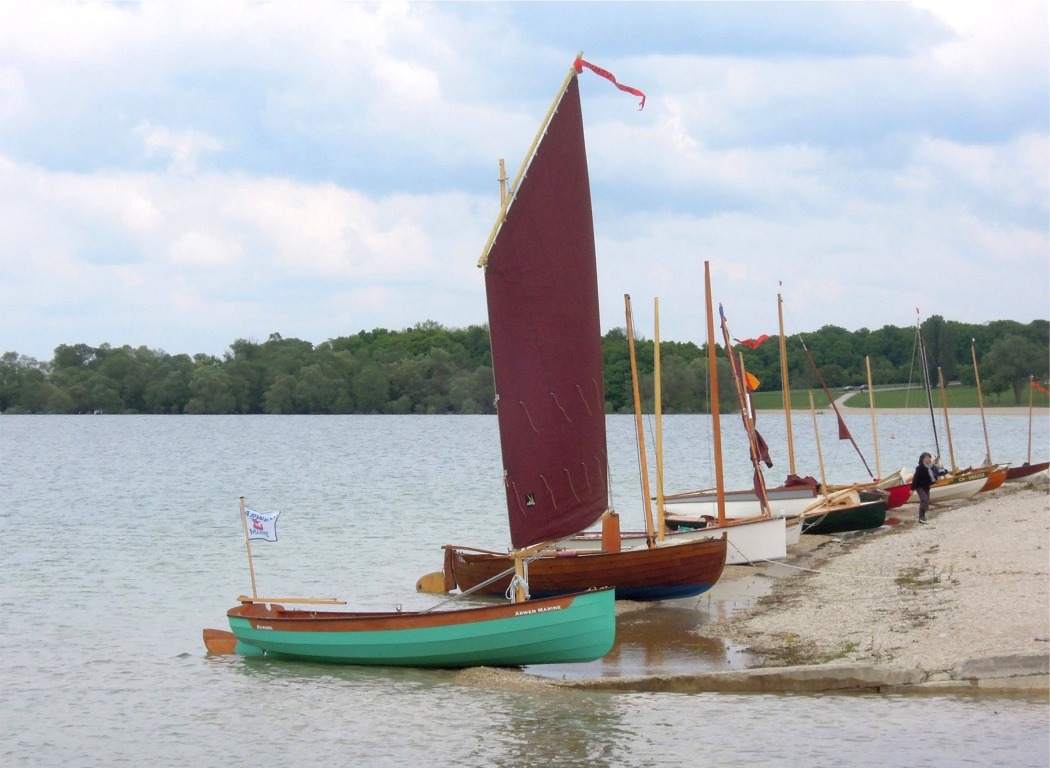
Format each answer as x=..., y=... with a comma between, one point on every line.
x=652, y=439
x=824, y=572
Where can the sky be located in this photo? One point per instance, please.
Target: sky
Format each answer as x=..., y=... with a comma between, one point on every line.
x=181, y=175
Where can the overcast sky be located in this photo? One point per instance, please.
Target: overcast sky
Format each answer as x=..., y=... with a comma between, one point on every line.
x=181, y=175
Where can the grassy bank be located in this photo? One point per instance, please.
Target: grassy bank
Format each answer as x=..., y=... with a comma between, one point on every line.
x=898, y=396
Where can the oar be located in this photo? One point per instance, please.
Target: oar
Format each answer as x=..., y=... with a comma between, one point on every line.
x=220, y=642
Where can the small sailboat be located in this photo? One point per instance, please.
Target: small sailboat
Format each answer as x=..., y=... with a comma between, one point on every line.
x=954, y=485
x=571, y=628
x=1027, y=469
x=1012, y=473
x=543, y=313
x=849, y=509
x=542, y=294
x=755, y=538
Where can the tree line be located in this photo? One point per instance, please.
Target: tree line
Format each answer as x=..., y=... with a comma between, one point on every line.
x=430, y=369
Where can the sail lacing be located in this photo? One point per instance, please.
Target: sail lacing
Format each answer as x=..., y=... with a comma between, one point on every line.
x=572, y=488
x=528, y=416
x=550, y=490
x=583, y=397
x=517, y=498
x=563, y=413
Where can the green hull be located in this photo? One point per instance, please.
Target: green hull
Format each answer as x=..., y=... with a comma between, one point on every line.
x=572, y=628
x=861, y=517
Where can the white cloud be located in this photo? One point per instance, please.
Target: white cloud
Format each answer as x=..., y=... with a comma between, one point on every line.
x=183, y=174
x=183, y=147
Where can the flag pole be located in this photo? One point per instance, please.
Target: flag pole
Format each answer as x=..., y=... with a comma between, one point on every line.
x=248, y=544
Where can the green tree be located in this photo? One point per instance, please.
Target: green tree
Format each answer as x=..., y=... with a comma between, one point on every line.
x=371, y=387
x=211, y=390
x=1010, y=362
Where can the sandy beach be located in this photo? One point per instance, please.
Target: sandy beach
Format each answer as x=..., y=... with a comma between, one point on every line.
x=971, y=584
x=959, y=604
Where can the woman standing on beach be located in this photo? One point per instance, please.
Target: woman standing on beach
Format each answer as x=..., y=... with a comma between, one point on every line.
x=925, y=476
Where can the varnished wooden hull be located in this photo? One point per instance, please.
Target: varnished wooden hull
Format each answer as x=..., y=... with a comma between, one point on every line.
x=995, y=479
x=659, y=573
x=1026, y=470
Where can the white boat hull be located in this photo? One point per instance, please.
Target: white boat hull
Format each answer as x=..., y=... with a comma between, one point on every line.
x=737, y=509
x=749, y=541
x=952, y=492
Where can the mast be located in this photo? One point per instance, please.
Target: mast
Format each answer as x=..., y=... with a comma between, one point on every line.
x=658, y=406
x=712, y=377
x=785, y=388
x=926, y=383
x=874, y=429
x=757, y=446
x=947, y=426
x=820, y=455
x=640, y=433
x=1031, y=392
x=980, y=401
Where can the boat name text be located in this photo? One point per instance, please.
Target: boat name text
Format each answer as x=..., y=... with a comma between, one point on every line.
x=538, y=610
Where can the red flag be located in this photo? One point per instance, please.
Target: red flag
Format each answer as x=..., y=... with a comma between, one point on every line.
x=1038, y=387
x=579, y=64
x=752, y=343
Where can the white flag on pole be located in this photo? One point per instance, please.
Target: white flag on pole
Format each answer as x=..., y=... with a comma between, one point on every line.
x=261, y=525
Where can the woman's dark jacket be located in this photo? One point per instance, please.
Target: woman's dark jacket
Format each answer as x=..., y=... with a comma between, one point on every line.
x=922, y=477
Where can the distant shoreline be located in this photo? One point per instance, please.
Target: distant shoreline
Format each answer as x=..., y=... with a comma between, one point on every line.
x=1007, y=410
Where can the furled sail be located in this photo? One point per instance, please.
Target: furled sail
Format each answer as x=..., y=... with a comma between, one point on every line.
x=542, y=290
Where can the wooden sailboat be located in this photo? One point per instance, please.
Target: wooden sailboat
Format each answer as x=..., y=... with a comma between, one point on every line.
x=993, y=476
x=542, y=290
x=542, y=294
x=1012, y=473
x=572, y=628
x=955, y=485
x=751, y=539
x=1028, y=468
x=841, y=511
x=787, y=500
x=896, y=493
x=796, y=494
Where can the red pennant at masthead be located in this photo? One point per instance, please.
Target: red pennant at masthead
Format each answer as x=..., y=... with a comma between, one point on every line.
x=752, y=343
x=579, y=64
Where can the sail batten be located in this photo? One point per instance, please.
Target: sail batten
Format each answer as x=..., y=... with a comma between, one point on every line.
x=541, y=286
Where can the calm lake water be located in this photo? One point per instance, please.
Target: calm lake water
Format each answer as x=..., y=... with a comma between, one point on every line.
x=120, y=540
